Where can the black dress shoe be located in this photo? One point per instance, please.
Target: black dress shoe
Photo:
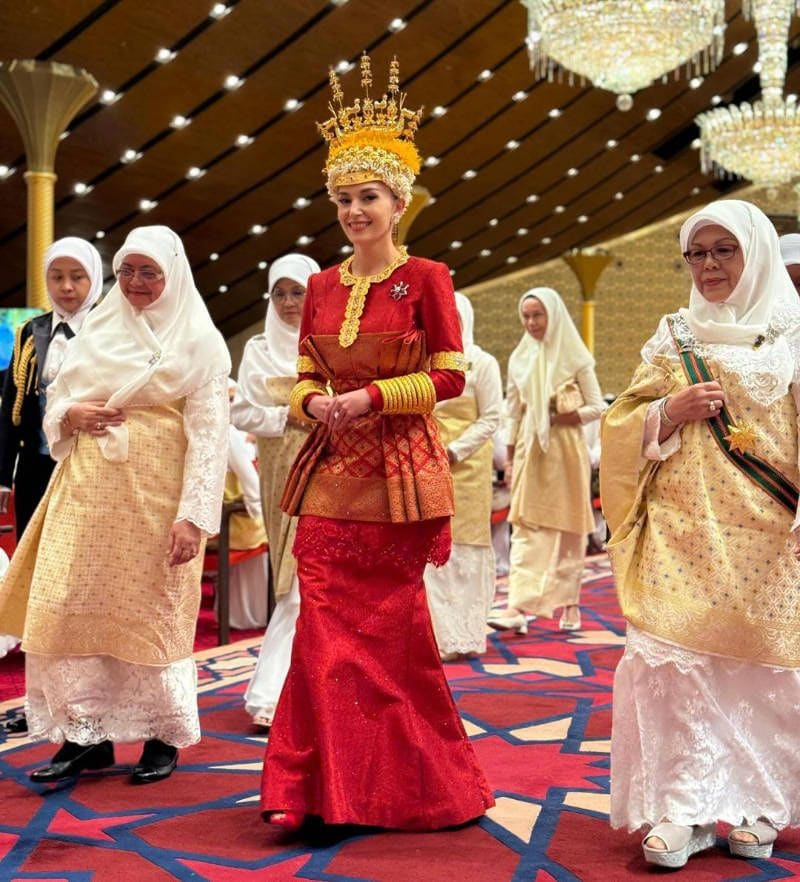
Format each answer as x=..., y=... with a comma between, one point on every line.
x=71, y=759
x=157, y=762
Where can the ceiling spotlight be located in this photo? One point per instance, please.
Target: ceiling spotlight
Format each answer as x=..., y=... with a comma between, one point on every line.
x=346, y=249
x=6, y=171
x=582, y=218
x=546, y=240
x=147, y=204
x=485, y=75
x=222, y=289
x=219, y=10
x=522, y=231
x=658, y=169
x=396, y=24
x=696, y=144
x=512, y=259
x=512, y=144
x=469, y=174
x=213, y=256
x=257, y=229
x=532, y=198
x=519, y=96
x=559, y=209
x=432, y=200
x=432, y=161
x=757, y=67
x=232, y=81
x=695, y=191
x=554, y=113
x=494, y=222
x=292, y=104
x=164, y=56
x=716, y=99
x=244, y=140
x=109, y=96
x=739, y=49
x=695, y=82
x=344, y=67
x=485, y=252
x=619, y=195
x=452, y=272
x=304, y=240
x=130, y=156
x=64, y=135
x=194, y=173
x=301, y=202
x=100, y=234
x=572, y=172
x=438, y=111
x=81, y=189
x=455, y=244
x=262, y=264
x=635, y=157
x=611, y=144
x=653, y=114
x=179, y=122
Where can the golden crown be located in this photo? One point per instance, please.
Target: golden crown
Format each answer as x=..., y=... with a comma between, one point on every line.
x=372, y=136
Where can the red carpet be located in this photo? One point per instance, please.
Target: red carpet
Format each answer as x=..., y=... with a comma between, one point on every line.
x=537, y=707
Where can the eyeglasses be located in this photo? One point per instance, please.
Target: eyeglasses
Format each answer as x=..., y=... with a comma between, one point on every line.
x=720, y=253
x=149, y=277
x=280, y=296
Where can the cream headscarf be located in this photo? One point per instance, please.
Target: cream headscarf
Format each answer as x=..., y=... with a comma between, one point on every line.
x=126, y=356
x=274, y=353
x=467, y=316
x=89, y=258
x=790, y=248
x=764, y=289
x=539, y=368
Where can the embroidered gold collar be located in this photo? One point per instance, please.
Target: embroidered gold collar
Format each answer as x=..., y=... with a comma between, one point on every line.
x=348, y=332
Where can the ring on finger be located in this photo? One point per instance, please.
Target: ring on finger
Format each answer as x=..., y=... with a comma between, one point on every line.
x=712, y=406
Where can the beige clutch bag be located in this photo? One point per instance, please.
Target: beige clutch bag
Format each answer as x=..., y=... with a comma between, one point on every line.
x=568, y=397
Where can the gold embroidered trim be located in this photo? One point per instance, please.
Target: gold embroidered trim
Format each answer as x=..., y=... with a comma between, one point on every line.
x=298, y=396
x=449, y=361
x=23, y=372
x=348, y=332
x=306, y=365
x=412, y=393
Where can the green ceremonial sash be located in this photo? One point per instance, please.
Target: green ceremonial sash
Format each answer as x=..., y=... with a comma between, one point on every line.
x=761, y=473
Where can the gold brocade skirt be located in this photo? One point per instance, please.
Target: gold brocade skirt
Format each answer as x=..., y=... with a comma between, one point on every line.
x=90, y=576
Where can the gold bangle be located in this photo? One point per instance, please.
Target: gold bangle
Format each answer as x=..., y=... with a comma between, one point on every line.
x=298, y=396
x=449, y=361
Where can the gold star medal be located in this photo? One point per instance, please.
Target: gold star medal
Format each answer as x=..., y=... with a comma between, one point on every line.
x=742, y=437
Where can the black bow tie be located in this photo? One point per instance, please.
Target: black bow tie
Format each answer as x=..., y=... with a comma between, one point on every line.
x=65, y=329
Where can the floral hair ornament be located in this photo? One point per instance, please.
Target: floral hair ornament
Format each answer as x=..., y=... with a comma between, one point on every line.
x=371, y=140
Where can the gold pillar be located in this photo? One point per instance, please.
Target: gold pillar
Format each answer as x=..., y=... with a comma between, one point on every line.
x=588, y=264
x=420, y=197
x=43, y=98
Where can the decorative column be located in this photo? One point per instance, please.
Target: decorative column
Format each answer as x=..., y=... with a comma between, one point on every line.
x=420, y=197
x=43, y=98
x=588, y=265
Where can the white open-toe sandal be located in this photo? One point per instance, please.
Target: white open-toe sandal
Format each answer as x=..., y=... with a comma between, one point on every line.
x=682, y=842
x=765, y=835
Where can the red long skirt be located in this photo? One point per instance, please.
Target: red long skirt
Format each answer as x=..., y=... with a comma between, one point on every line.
x=366, y=730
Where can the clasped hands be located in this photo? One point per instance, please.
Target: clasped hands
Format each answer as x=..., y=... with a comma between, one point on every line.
x=93, y=417
x=338, y=411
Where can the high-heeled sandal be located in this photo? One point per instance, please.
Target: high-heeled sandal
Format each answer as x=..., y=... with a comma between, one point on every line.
x=681, y=843
x=286, y=820
x=565, y=625
x=518, y=623
x=765, y=835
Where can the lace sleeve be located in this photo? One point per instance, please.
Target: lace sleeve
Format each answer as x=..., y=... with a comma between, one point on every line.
x=205, y=421
x=651, y=449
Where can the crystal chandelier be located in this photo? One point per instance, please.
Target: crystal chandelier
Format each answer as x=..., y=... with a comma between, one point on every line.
x=624, y=45
x=758, y=141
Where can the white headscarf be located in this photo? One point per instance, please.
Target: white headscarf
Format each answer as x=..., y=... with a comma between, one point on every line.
x=274, y=353
x=790, y=248
x=89, y=258
x=763, y=289
x=467, y=316
x=127, y=356
x=539, y=368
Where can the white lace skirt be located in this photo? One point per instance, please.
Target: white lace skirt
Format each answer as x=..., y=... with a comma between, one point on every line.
x=460, y=595
x=88, y=699
x=699, y=738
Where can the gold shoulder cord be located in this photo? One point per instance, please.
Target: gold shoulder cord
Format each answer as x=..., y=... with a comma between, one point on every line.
x=348, y=332
x=23, y=371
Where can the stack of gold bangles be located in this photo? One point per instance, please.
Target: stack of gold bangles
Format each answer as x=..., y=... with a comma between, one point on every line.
x=412, y=393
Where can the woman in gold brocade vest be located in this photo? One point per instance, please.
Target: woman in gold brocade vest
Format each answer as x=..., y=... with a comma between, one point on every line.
x=699, y=476
x=552, y=392
x=261, y=406
x=366, y=731
x=460, y=593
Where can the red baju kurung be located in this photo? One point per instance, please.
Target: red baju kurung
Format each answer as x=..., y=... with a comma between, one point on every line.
x=366, y=730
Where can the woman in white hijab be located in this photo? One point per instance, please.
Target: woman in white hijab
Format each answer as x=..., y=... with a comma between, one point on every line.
x=267, y=376
x=74, y=279
x=105, y=585
x=552, y=392
x=790, y=252
x=460, y=593
x=699, y=472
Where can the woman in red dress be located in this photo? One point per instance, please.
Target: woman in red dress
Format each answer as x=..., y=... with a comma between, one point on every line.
x=366, y=731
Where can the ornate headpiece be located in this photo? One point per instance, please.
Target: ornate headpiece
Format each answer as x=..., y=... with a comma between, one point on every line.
x=372, y=140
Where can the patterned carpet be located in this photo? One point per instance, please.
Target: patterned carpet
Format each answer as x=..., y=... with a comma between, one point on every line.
x=537, y=707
